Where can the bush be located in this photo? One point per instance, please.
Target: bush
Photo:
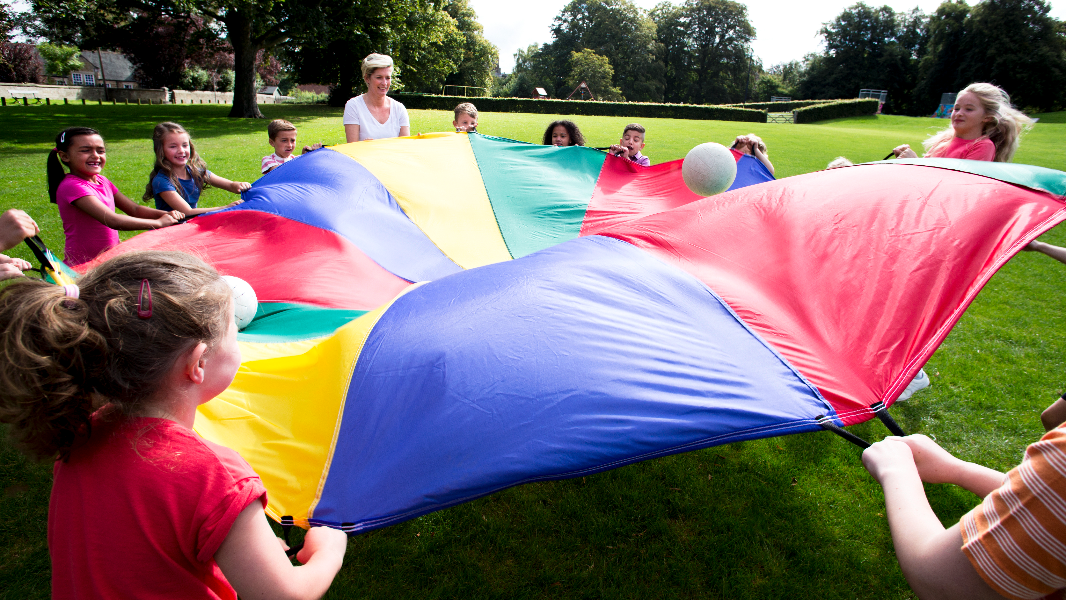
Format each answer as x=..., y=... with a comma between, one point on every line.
x=777, y=107
x=302, y=97
x=836, y=110
x=587, y=107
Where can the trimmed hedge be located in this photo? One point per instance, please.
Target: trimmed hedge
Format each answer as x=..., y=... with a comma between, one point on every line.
x=836, y=110
x=780, y=107
x=587, y=107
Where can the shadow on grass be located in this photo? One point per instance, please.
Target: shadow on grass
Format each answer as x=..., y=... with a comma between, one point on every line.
x=37, y=125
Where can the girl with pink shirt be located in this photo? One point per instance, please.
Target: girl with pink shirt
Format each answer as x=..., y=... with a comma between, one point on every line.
x=87, y=200
x=984, y=126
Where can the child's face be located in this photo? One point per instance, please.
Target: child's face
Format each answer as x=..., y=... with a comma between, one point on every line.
x=176, y=148
x=85, y=156
x=560, y=136
x=969, y=116
x=284, y=143
x=465, y=122
x=222, y=361
x=633, y=141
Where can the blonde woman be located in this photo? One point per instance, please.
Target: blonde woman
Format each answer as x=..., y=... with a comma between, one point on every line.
x=374, y=115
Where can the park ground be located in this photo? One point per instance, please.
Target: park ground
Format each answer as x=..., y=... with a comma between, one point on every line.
x=795, y=515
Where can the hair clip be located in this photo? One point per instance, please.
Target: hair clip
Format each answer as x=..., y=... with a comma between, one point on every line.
x=63, y=137
x=55, y=149
x=143, y=312
x=71, y=290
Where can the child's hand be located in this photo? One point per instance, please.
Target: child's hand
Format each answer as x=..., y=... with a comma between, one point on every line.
x=323, y=539
x=171, y=218
x=239, y=186
x=311, y=148
x=234, y=203
x=619, y=150
x=15, y=226
x=935, y=464
x=887, y=456
x=904, y=151
x=12, y=267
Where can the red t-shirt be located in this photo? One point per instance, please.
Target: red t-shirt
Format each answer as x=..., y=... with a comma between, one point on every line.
x=140, y=510
x=979, y=149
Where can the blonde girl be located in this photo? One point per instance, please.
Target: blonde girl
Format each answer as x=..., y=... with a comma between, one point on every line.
x=87, y=200
x=984, y=126
x=104, y=377
x=179, y=174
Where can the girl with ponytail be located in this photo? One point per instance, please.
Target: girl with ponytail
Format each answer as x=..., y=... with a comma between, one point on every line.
x=87, y=200
x=104, y=377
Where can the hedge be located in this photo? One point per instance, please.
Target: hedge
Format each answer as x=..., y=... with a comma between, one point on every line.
x=587, y=107
x=836, y=110
x=780, y=107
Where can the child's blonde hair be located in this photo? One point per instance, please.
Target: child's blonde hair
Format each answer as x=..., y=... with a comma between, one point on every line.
x=66, y=357
x=1004, y=130
x=465, y=108
x=277, y=126
x=162, y=165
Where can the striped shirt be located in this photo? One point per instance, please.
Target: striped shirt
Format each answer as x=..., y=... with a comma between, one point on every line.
x=1016, y=538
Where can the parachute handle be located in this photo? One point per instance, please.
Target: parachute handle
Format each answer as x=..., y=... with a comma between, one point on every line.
x=286, y=528
x=827, y=423
x=881, y=411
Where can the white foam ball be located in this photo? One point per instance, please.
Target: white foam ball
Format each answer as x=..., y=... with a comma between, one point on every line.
x=244, y=301
x=709, y=169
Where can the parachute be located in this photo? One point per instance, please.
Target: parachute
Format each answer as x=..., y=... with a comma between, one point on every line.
x=448, y=315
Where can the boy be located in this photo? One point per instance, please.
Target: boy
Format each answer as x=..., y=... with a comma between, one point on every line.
x=465, y=118
x=283, y=139
x=631, y=144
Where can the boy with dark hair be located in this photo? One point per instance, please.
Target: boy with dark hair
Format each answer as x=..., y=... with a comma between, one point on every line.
x=465, y=118
x=631, y=144
x=282, y=135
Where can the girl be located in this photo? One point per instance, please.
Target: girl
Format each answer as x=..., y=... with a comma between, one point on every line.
x=87, y=200
x=180, y=174
x=104, y=376
x=563, y=133
x=753, y=145
x=984, y=126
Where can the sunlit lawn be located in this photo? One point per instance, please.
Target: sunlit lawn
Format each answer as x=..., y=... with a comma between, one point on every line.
x=795, y=516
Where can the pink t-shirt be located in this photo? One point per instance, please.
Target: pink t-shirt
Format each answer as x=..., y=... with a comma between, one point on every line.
x=86, y=237
x=979, y=149
x=140, y=509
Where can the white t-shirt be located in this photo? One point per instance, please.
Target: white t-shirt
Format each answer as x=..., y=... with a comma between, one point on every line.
x=356, y=113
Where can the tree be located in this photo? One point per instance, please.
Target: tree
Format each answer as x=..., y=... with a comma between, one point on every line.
x=618, y=30
x=480, y=57
x=938, y=70
x=533, y=68
x=59, y=60
x=596, y=72
x=18, y=61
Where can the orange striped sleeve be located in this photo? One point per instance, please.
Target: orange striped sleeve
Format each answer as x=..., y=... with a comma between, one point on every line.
x=1016, y=538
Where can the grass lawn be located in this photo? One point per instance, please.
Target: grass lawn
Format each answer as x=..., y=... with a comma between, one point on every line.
x=796, y=515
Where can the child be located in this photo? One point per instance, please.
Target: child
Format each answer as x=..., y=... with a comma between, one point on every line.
x=179, y=174
x=87, y=200
x=282, y=137
x=563, y=133
x=104, y=377
x=631, y=144
x=1011, y=544
x=984, y=126
x=465, y=118
x=753, y=145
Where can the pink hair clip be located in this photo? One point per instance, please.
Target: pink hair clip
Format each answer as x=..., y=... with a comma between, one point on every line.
x=71, y=290
x=143, y=312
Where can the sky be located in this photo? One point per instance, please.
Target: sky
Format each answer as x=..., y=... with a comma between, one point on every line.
x=784, y=31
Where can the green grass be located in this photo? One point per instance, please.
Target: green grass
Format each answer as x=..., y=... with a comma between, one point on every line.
x=796, y=515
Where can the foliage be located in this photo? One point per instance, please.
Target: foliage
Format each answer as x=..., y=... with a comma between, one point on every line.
x=480, y=56
x=783, y=106
x=59, y=60
x=19, y=63
x=533, y=68
x=595, y=70
x=835, y=110
x=588, y=107
x=194, y=78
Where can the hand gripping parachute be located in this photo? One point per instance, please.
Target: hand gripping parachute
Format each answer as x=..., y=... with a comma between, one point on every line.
x=445, y=316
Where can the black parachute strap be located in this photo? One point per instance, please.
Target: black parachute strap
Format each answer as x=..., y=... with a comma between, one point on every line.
x=827, y=423
x=881, y=411
x=287, y=524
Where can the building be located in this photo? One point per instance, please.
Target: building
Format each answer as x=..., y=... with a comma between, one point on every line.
x=100, y=68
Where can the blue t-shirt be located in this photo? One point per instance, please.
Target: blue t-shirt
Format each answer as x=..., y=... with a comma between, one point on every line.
x=189, y=191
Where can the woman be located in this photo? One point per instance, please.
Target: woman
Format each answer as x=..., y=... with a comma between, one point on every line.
x=374, y=115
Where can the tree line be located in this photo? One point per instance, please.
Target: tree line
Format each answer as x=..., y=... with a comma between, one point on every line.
x=695, y=51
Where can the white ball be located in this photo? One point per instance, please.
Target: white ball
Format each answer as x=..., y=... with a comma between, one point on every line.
x=709, y=169
x=244, y=301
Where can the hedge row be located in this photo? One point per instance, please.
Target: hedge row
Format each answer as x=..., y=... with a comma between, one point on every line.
x=836, y=110
x=780, y=107
x=644, y=110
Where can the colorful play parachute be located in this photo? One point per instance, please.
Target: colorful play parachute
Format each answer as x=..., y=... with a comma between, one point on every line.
x=445, y=316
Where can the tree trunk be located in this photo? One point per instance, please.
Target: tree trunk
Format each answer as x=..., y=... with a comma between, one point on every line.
x=239, y=28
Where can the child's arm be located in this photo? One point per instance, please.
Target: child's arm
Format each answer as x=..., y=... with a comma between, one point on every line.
x=1055, y=252
x=311, y=148
x=92, y=206
x=256, y=566
x=763, y=158
x=12, y=267
x=139, y=211
x=904, y=151
x=221, y=182
x=930, y=557
x=175, y=201
x=15, y=226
